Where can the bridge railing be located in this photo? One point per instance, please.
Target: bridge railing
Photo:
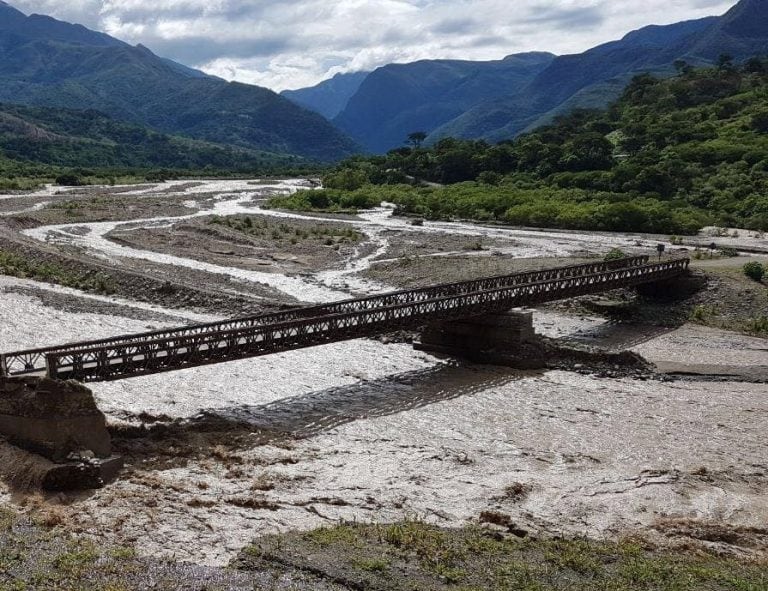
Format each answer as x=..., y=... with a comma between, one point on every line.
x=167, y=354
x=33, y=360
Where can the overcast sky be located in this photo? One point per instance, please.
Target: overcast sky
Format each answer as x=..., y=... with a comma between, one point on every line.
x=294, y=43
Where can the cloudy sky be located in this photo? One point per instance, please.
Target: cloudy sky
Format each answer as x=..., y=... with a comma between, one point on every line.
x=294, y=43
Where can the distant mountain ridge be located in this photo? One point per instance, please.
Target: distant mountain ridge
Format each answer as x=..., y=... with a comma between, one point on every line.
x=401, y=98
x=493, y=101
x=47, y=62
x=330, y=97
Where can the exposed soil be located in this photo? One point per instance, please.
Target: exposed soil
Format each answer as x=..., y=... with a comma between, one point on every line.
x=265, y=244
x=152, y=283
x=106, y=208
x=404, y=244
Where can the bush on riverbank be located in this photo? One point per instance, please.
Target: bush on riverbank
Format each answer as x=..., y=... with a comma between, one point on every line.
x=575, y=209
x=15, y=265
x=754, y=271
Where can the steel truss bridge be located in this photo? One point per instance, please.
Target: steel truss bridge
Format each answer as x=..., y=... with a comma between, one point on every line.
x=190, y=346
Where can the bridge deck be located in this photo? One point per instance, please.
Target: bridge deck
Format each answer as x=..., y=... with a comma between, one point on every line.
x=168, y=350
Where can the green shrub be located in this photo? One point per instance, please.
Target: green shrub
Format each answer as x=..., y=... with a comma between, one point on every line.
x=754, y=270
x=702, y=313
x=615, y=254
x=69, y=180
x=758, y=325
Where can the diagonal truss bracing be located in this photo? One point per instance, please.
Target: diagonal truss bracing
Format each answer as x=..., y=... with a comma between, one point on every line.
x=168, y=350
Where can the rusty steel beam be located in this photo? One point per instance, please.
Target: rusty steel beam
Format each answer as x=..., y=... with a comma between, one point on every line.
x=33, y=360
x=169, y=353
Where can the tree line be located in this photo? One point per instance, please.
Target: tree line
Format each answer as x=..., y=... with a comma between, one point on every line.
x=670, y=156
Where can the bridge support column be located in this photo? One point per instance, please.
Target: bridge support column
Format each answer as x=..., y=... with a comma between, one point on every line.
x=505, y=338
x=60, y=422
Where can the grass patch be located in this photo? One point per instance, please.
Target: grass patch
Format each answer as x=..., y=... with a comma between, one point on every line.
x=326, y=235
x=16, y=265
x=42, y=559
x=413, y=555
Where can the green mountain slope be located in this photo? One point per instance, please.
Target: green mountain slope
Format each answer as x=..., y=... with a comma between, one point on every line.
x=330, y=97
x=476, y=100
x=601, y=72
x=398, y=99
x=46, y=62
x=66, y=138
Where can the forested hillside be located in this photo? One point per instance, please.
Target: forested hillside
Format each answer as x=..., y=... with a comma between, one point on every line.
x=499, y=100
x=42, y=143
x=400, y=98
x=46, y=62
x=670, y=156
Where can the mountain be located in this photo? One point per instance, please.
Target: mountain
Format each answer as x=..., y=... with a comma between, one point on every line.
x=330, y=97
x=600, y=73
x=671, y=156
x=398, y=99
x=742, y=31
x=482, y=100
x=89, y=139
x=46, y=62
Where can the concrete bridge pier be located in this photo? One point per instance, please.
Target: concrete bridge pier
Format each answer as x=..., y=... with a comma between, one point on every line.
x=62, y=428
x=504, y=338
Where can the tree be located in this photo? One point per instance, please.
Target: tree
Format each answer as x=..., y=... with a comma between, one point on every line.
x=589, y=151
x=754, y=271
x=417, y=138
x=755, y=65
x=682, y=67
x=725, y=61
x=760, y=121
x=68, y=180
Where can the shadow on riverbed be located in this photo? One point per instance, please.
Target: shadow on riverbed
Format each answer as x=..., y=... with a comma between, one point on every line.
x=305, y=416
x=619, y=336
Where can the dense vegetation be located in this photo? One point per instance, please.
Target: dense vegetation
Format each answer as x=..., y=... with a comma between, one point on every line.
x=669, y=156
x=495, y=101
x=40, y=144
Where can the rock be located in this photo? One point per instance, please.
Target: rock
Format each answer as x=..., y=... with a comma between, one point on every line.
x=52, y=418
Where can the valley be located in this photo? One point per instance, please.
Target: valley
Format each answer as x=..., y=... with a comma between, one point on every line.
x=315, y=373
x=373, y=431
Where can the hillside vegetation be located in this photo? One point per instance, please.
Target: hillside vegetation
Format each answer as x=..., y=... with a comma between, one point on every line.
x=50, y=63
x=669, y=156
x=499, y=100
x=399, y=98
x=43, y=143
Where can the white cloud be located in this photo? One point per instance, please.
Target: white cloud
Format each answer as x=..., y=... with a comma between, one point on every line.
x=293, y=43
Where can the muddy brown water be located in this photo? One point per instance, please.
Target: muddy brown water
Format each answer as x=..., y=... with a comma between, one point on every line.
x=365, y=431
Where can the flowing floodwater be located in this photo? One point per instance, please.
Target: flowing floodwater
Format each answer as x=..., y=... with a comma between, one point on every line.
x=367, y=431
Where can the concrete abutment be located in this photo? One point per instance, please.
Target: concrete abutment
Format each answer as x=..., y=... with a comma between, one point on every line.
x=60, y=423
x=503, y=338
